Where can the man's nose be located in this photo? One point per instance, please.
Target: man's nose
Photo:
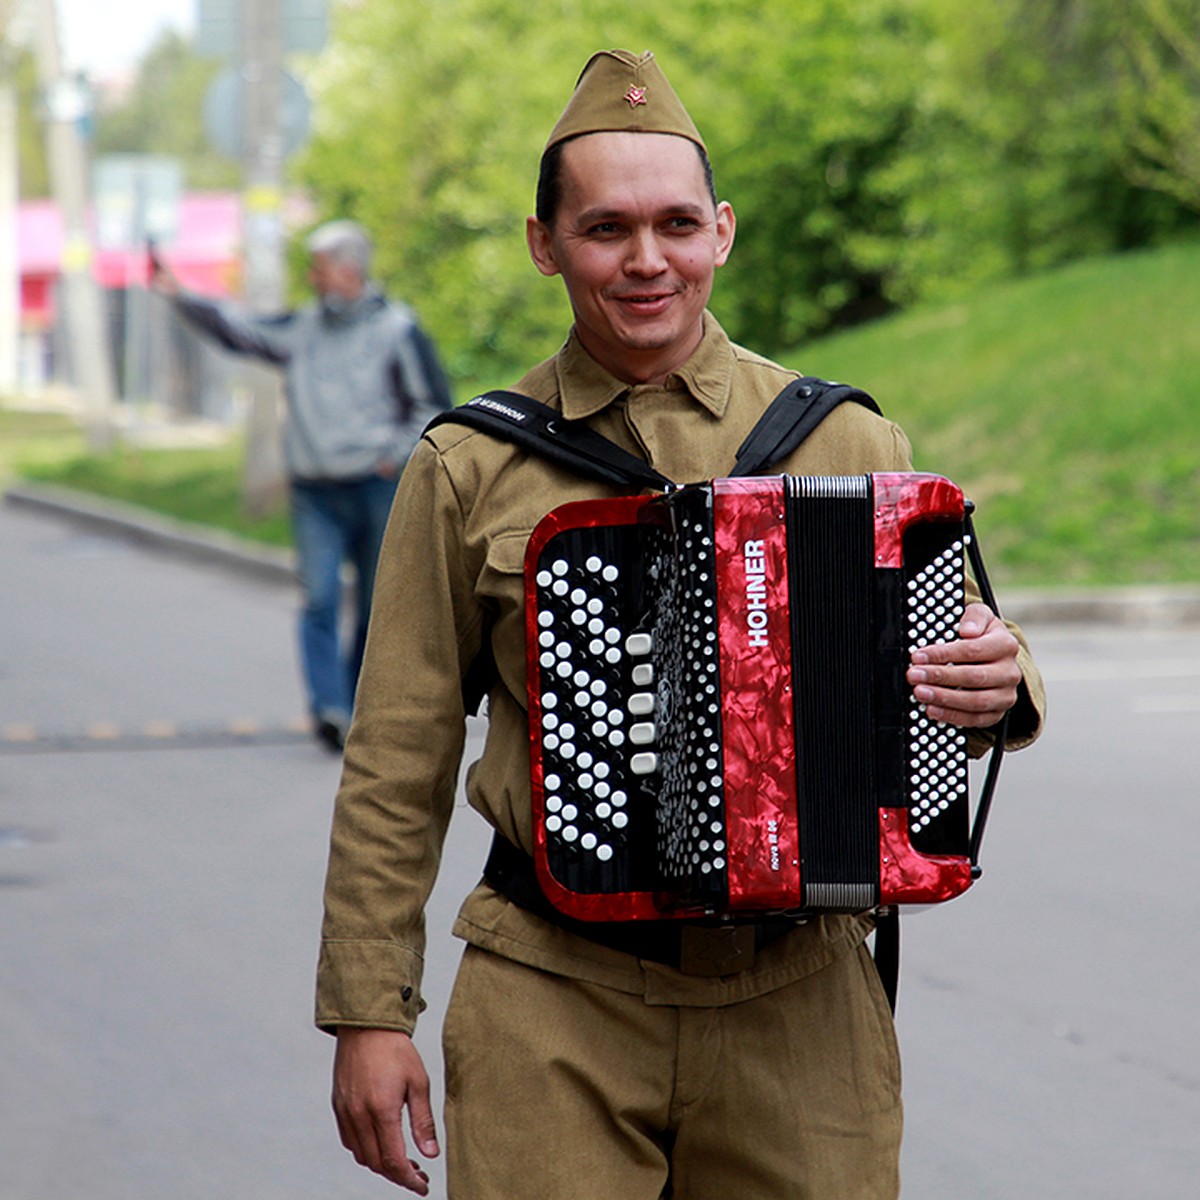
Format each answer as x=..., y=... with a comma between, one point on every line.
x=645, y=256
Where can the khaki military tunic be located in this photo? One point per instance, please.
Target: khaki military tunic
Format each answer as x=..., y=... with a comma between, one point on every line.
x=450, y=576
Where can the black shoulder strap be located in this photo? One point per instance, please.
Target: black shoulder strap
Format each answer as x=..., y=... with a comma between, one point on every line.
x=790, y=418
x=798, y=409
x=572, y=444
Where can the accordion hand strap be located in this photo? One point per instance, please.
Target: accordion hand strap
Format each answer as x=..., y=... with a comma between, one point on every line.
x=540, y=429
x=1000, y=730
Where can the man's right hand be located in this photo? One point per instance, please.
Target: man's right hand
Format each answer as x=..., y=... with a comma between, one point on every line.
x=162, y=278
x=376, y=1074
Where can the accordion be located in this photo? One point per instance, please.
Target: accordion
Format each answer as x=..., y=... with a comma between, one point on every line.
x=720, y=722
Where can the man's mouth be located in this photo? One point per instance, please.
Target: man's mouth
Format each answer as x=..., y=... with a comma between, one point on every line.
x=645, y=301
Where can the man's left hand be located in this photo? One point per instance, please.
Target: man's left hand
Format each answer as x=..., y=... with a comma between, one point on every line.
x=971, y=682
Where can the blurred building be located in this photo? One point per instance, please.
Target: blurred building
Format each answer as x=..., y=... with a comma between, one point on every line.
x=158, y=360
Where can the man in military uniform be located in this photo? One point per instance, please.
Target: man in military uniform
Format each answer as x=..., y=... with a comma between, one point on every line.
x=575, y=1070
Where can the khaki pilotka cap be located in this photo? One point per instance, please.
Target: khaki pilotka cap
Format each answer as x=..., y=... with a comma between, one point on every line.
x=619, y=92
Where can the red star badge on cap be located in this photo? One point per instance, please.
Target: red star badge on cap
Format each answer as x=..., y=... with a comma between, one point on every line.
x=635, y=96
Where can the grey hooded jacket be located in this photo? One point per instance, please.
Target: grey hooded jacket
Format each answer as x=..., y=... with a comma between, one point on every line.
x=361, y=382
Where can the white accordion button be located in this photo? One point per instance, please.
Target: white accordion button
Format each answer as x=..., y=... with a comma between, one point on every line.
x=639, y=644
x=642, y=733
x=644, y=763
x=642, y=704
x=643, y=674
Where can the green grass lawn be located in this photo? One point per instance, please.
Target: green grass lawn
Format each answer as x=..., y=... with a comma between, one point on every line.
x=199, y=485
x=1067, y=405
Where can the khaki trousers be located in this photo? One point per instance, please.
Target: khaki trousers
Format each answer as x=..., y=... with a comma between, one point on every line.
x=562, y=1090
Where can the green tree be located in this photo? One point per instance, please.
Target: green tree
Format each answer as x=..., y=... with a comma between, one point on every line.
x=805, y=108
x=875, y=152
x=1160, y=107
x=431, y=121
x=1015, y=161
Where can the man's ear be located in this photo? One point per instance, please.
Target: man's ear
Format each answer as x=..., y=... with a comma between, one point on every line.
x=726, y=231
x=541, y=246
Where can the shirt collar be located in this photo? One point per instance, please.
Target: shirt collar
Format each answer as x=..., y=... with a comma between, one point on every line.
x=585, y=387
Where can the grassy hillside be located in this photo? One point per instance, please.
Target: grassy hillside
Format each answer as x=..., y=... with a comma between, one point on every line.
x=197, y=484
x=1068, y=407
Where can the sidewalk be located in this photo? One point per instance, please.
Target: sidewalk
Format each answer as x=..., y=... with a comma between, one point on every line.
x=1161, y=606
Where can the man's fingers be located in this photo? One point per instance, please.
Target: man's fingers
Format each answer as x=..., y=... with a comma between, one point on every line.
x=971, y=682
x=420, y=1110
x=377, y=1143
x=975, y=620
x=965, y=709
x=970, y=676
x=394, y=1163
x=993, y=645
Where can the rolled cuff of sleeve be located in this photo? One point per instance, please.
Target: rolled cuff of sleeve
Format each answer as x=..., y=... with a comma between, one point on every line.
x=368, y=984
x=1026, y=717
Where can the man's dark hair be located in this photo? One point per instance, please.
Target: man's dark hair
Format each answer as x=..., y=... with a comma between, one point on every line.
x=549, y=185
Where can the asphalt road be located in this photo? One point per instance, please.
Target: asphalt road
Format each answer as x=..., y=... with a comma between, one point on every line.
x=163, y=819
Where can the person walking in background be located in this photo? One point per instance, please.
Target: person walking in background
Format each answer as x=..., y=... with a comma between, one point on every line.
x=362, y=380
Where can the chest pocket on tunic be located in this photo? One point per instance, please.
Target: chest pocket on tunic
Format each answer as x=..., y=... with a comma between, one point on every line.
x=502, y=645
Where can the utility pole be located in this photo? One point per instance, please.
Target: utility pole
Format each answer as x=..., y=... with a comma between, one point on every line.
x=83, y=304
x=10, y=271
x=262, y=233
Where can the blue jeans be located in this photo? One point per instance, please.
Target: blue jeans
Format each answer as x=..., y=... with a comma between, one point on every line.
x=335, y=522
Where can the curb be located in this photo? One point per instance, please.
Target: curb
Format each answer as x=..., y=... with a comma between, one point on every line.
x=1161, y=607
x=1158, y=606
x=196, y=543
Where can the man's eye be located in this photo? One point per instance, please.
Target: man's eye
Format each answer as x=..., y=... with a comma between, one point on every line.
x=604, y=229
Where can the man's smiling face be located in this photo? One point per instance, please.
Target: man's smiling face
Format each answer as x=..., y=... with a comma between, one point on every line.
x=637, y=241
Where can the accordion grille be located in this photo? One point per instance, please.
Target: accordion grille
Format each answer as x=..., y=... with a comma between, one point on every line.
x=831, y=539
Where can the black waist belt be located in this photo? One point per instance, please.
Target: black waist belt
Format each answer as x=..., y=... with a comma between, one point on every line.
x=717, y=947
